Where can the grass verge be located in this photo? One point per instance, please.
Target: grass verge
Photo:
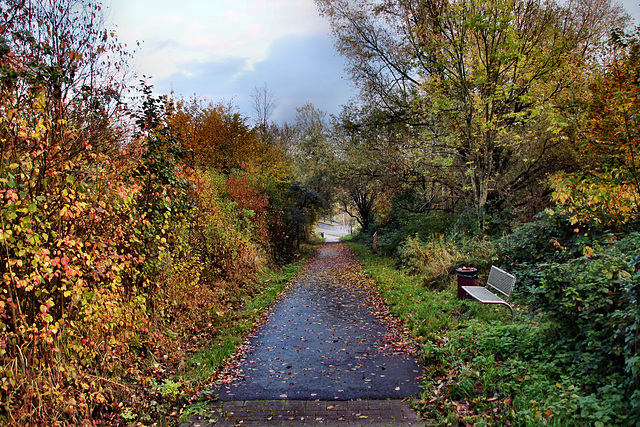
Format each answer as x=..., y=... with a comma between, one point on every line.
x=426, y=312
x=204, y=365
x=473, y=373
x=484, y=369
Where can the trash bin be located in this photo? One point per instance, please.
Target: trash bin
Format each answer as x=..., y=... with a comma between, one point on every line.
x=466, y=276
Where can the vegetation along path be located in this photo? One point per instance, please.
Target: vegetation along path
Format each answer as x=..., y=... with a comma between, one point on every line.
x=329, y=354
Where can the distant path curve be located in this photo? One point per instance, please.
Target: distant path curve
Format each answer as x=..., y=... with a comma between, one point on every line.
x=331, y=231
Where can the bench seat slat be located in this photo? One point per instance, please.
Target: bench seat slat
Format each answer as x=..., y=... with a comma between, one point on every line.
x=483, y=295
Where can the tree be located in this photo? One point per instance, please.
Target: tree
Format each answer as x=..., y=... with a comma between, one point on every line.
x=263, y=102
x=302, y=211
x=61, y=52
x=607, y=189
x=360, y=199
x=485, y=80
x=373, y=144
x=59, y=96
x=314, y=153
x=217, y=136
x=68, y=217
x=368, y=159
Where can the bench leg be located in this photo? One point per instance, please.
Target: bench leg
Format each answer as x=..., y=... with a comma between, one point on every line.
x=513, y=316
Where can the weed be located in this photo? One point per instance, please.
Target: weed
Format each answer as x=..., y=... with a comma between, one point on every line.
x=169, y=388
x=198, y=408
x=128, y=414
x=482, y=368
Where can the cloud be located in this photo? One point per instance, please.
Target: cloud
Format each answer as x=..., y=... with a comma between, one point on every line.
x=297, y=70
x=221, y=50
x=203, y=29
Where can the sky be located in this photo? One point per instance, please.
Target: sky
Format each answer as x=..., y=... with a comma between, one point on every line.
x=221, y=50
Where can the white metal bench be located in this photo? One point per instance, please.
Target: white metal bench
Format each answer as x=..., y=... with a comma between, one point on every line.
x=499, y=280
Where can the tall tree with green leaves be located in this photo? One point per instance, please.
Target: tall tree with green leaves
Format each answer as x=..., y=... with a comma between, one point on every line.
x=486, y=81
x=370, y=161
x=314, y=152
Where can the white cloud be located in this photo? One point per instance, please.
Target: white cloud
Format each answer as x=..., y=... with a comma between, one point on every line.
x=175, y=32
x=296, y=70
x=222, y=49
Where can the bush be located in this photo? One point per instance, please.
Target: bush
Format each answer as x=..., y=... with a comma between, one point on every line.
x=438, y=258
x=585, y=281
x=435, y=260
x=518, y=374
x=550, y=238
x=113, y=257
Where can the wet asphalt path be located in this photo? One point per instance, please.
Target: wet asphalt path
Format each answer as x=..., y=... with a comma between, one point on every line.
x=321, y=342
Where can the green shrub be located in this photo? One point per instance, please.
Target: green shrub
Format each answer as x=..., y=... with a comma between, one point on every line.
x=435, y=260
x=517, y=374
x=550, y=238
x=438, y=258
x=572, y=360
x=585, y=281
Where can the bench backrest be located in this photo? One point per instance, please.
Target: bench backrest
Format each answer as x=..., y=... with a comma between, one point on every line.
x=501, y=281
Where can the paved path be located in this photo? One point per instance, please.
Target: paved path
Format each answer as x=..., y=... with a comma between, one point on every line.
x=331, y=231
x=322, y=358
x=307, y=413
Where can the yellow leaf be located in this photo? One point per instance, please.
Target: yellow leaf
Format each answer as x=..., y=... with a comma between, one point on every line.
x=40, y=103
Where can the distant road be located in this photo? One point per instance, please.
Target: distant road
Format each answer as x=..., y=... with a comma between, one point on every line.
x=332, y=232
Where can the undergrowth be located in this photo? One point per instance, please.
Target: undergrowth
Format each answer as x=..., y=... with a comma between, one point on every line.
x=427, y=313
x=482, y=368
x=436, y=259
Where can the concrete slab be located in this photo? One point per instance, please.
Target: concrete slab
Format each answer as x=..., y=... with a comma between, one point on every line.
x=311, y=413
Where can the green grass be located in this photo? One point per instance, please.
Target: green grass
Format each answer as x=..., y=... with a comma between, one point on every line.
x=202, y=365
x=483, y=368
x=426, y=312
x=458, y=340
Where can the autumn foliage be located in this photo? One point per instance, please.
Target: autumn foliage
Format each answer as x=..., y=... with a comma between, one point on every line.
x=132, y=225
x=122, y=236
x=607, y=189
